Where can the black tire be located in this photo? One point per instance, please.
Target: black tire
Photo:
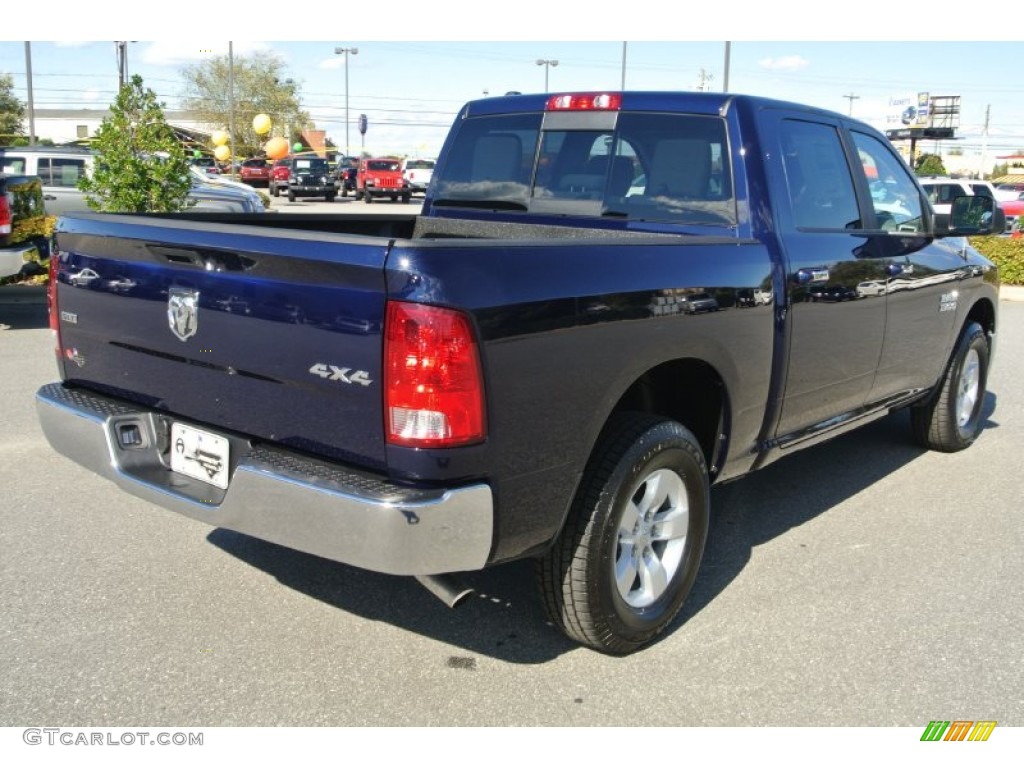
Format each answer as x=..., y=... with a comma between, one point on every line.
x=275, y=190
x=329, y=198
x=368, y=197
x=291, y=196
x=406, y=198
x=950, y=419
x=642, y=465
x=344, y=192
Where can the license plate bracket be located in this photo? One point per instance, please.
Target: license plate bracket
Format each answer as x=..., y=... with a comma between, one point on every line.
x=200, y=454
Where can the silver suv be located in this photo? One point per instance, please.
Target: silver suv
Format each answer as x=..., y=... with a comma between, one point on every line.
x=60, y=168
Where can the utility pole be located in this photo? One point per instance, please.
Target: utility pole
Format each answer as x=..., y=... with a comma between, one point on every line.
x=231, y=104
x=725, y=78
x=984, y=143
x=704, y=79
x=623, y=87
x=121, y=47
x=851, y=97
x=31, y=101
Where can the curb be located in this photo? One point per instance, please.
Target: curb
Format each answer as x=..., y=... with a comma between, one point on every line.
x=1011, y=293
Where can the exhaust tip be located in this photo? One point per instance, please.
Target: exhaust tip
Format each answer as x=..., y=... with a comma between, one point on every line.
x=446, y=588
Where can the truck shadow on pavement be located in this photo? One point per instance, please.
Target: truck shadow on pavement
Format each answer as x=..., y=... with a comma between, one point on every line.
x=504, y=618
x=23, y=307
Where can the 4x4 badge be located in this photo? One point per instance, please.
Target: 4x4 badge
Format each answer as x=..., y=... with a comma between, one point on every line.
x=183, y=312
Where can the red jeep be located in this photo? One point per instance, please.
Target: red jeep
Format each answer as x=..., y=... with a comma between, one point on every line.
x=380, y=176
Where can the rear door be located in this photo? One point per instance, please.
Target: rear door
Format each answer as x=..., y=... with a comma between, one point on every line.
x=835, y=332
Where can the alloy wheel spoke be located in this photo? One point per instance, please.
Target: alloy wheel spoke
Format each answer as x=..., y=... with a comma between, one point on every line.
x=625, y=571
x=653, y=577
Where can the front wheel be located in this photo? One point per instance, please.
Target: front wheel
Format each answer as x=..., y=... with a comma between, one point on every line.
x=629, y=553
x=950, y=419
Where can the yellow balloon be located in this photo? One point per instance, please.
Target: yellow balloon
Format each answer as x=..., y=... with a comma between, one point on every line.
x=222, y=152
x=219, y=138
x=261, y=124
x=277, y=148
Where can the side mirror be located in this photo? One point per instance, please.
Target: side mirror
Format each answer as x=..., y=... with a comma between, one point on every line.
x=975, y=215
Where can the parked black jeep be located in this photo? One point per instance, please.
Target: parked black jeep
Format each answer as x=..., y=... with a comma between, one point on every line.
x=310, y=177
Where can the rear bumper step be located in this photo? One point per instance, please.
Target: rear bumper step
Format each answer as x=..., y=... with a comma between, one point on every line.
x=286, y=498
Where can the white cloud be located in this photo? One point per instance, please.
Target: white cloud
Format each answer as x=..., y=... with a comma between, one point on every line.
x=91, y=95
x=174, y=53
x=784, y=63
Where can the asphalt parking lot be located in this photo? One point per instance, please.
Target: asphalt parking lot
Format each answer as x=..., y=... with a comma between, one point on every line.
x=863, y=582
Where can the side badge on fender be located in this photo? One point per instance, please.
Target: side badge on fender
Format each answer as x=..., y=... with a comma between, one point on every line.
x=183, y=312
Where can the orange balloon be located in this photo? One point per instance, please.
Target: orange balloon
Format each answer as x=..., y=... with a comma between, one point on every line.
x=277, y=148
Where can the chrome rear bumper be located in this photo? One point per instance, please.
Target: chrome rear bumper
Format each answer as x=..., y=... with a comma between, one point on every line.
x=314, y=506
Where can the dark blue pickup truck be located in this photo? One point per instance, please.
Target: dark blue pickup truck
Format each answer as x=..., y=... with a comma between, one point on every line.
x=609, y=302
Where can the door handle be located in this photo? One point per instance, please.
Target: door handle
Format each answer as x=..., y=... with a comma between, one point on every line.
x=815, y=275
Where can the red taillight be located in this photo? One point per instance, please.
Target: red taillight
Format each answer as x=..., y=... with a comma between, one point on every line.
x=585, y=101
x=433, y=385
x=51, y=301
x=6, y=217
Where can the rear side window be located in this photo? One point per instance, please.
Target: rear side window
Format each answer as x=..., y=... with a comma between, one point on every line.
x=60, y=172
x=821, y=189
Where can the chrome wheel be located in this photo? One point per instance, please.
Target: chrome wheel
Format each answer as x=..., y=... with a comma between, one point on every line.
x=968, y=388
x=629, y=552
x=652, y=538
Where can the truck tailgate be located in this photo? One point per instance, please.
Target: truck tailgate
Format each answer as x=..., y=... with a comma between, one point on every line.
x=268, y=332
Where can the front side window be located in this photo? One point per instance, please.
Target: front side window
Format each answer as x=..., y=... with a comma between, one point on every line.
x=894, y=195
x=821, y=190
x=13, y=165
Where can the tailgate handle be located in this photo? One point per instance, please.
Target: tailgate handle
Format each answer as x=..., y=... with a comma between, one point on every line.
x=204, y=258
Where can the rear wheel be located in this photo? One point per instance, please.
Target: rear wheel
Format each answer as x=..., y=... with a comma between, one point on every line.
x=629, y=553
x=950, y=419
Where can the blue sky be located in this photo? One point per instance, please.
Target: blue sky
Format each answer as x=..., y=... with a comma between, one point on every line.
x=411, y=88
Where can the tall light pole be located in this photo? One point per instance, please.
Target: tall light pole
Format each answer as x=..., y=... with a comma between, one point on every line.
x=346, y=52
x=547, y=64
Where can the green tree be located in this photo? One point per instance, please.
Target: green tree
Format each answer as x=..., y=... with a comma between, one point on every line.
x=12, y=111
x=140, y=166
x=930, y=165
x=261, y=86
